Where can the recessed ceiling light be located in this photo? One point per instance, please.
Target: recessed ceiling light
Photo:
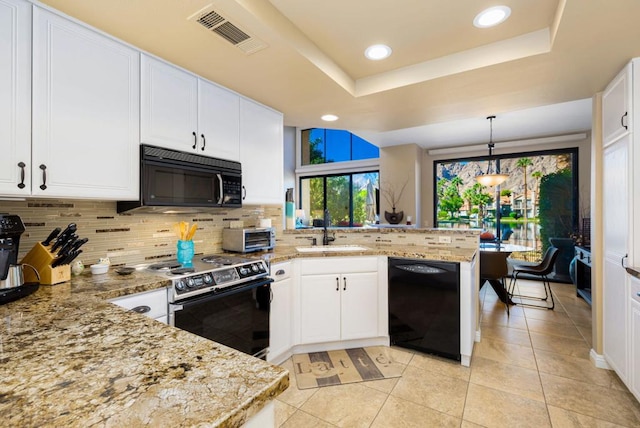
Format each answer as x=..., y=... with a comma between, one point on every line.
x=377, y=52
x=329, y=118
x=492, y=16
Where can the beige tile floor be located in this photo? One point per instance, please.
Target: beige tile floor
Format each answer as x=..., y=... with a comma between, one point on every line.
x=531, y=369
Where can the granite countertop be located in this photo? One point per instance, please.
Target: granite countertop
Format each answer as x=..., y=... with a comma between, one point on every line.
x=70, y=358
x=287, y=252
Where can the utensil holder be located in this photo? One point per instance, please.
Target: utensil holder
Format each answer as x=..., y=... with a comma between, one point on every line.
x=40, y=258
x=185, y=252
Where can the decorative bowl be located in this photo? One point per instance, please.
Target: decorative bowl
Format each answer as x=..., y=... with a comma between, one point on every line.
x=99, y=269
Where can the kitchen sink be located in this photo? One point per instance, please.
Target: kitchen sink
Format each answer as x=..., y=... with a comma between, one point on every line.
x=331, y=248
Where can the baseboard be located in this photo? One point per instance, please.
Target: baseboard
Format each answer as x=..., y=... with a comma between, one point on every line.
x=344, y=344
x=478, y=335
x=598, y=360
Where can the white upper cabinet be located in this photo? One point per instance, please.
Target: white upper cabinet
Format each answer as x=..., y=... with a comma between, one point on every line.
x=616, y=107
x=85, y=130
x=261, y=153
x=218, y=121
x=15, y=98
x=184, y=112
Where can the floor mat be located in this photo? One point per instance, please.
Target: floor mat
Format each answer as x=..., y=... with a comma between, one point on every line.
x=317, y=369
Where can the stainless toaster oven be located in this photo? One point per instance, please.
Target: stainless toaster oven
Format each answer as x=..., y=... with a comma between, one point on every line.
x=248, y=240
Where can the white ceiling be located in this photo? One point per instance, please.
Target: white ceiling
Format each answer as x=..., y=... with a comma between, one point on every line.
x=537, y=72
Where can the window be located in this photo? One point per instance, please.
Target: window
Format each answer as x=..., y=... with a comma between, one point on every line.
x=351, y=200
x=538, y=201
x=320, y=146
x=337, y=173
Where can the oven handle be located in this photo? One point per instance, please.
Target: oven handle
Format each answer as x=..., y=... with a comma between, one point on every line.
x=227, y=292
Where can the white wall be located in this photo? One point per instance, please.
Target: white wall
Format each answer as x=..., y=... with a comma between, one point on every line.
x=289, y=137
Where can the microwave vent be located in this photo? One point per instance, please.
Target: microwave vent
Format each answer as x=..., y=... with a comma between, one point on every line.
x=158, y=152
x=215, y=22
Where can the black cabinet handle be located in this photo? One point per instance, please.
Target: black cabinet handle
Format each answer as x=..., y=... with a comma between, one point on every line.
x=280, y=272
x=195, y=140
x=244, y=193
x=337, y=284
x=622, y=260
x=21, y=165
x=43, y=167
x=204, y=141
x=626, y=114
x=345, y=283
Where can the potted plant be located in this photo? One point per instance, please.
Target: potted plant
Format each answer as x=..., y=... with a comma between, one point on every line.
x=392, y=196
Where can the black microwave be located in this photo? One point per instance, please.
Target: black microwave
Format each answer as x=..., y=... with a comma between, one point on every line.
x=180, y=182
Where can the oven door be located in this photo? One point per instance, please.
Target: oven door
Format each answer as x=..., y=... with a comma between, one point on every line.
x=237, y=317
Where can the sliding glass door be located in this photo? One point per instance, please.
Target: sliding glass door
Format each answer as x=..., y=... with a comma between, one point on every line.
x=538, y=201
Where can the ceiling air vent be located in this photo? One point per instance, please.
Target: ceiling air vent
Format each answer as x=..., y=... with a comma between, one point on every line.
x=216, y=23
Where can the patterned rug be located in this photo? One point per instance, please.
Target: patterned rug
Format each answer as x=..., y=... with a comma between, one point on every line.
x=344, y=366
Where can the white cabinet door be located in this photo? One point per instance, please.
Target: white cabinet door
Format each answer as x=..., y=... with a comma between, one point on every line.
x=319, y=308
x=85, y=112
x=218, y=121
x=261, y=153
x=616, y=233
x=616, y=106
x=15, y=97
x=635, y=341
x=280, y=329
x=359, y=305
x=169, y=102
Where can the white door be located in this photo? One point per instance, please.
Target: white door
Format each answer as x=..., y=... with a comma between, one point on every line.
x=169, y=103
x=85, y=112
x=15, y=97
x=218, y=121
x=616, y=229
x=261, y=153
x=280, y=331
x=319, y=308
x=359, y=305
x=616, y=106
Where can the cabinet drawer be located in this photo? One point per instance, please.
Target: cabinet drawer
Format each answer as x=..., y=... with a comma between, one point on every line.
x=635, y=289
x=155, y=301
x=317, y=266
x=281, y=271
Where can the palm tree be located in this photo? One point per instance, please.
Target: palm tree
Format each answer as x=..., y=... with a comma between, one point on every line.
x=537, y=175
x=524, y=163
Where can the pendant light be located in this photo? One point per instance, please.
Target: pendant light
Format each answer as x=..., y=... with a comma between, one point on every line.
x=489, y=178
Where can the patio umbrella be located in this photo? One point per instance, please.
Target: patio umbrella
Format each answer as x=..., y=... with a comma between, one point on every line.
x=371, y=202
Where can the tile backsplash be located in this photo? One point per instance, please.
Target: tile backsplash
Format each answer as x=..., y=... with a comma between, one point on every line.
x=129, y=238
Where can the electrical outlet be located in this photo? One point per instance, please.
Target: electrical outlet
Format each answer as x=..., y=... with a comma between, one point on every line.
x=444, y=239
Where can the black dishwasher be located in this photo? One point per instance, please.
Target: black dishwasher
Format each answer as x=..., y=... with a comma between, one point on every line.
x=424, y=306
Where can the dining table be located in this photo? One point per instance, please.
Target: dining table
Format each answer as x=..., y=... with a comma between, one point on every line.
x=505, y=250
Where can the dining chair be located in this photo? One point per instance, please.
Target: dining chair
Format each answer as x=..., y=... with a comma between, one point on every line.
x=540, y=270
x=493, y=267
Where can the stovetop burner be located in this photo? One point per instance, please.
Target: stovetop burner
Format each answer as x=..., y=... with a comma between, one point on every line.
x=181, y=270
x=172, y=264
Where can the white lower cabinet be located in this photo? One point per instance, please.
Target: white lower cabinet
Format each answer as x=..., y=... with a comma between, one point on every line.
x=152, y=304
x=280, y=316
x=635, y=338
x=339, y=299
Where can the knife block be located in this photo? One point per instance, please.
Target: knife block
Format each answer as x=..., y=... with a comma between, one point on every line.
x=41, y=258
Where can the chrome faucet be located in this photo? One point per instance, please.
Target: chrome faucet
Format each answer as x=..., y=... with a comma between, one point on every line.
x=326, y=239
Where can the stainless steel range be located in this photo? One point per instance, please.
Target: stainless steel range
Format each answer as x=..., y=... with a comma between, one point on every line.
x=222, y=298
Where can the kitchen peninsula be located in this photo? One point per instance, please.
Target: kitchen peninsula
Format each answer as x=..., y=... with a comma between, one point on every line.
x=70, y=357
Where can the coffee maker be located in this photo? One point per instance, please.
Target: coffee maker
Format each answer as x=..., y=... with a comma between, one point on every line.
x=12, y=285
